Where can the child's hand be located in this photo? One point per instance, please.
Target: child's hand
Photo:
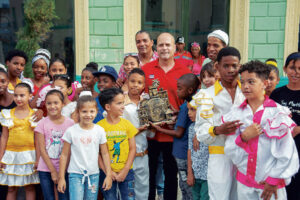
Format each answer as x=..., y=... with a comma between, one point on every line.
x=268, y=192
x=190, y=179
x=2, y=166
x=155, y=127
x=107, y=183
x=228, y=127
x=142, y=128
x=46, y=80
x=35, y=165
x=120, y=82
x=54, y=176
x=122, y=175
x=113, y=176
x=251, y=131
x=196, y=144
x=38, y=115
x=61, y=187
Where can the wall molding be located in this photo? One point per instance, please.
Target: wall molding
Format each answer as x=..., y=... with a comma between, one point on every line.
x=82, y=49
x=239, y=26
x=132, y=23
x=292, y=20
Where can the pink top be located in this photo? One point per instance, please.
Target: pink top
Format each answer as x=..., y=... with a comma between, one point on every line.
x=53, y=140
x=198, y=66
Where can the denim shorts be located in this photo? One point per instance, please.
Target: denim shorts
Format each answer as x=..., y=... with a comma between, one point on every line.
x=83, y=186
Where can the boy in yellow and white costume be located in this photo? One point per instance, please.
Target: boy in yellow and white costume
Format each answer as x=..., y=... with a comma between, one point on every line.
x=212, y=103
x=20, y=155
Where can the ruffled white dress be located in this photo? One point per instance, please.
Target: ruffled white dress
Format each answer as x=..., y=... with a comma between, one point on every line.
x=19, y=156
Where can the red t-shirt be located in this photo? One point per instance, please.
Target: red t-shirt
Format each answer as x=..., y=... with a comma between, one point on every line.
x=167, y=81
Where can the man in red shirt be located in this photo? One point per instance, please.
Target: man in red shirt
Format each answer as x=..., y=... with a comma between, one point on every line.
x=183, y=56
x=167, y=70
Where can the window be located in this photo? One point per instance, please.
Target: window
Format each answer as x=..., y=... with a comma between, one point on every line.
x=193, y=19
x=60, y=41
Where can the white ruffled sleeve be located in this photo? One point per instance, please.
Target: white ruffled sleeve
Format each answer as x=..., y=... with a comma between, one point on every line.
x=6, y=119
x=279, y=128
x=279, y=125
x=287, y=161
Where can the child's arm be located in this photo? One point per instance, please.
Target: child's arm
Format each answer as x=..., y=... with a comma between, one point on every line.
x=45, y=156
x=63, y=161
x=37, y=150
x=101, y=163
x=296, y=131
x=3, y=142
x=102, y=166
x=190, y=177
x=141, y=129
x=106, y=160
x=131, y=155
x=178, y=132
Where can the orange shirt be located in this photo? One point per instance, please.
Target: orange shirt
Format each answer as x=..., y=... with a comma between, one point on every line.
x=185, y=58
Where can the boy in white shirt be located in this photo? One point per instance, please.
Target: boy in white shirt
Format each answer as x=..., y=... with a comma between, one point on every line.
x=136, y=85
x=262, y=148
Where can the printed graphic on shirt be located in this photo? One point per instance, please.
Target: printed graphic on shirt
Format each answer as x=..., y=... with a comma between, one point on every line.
x=85, y=140
x=54, y=145
x=118, y=146
x=293, y=106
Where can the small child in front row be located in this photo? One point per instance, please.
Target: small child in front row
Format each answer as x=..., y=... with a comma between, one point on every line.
x=82, y=143
x=187, y=86
x=197, y=160
x=17, y=149
x=50, y=131
x=208, y=75
x=262, y=148
x=121, y=144
x=136, y=85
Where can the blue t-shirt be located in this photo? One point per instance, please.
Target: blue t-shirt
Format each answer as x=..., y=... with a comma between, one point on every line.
x=180, y=145
x=99, y=115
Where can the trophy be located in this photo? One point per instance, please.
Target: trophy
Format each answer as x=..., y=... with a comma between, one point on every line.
x=157, y=108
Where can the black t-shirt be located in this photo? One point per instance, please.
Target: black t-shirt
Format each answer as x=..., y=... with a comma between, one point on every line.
x=12, y=105
x=291, y=99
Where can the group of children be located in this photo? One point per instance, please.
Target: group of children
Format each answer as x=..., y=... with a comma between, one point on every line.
x=229, y=128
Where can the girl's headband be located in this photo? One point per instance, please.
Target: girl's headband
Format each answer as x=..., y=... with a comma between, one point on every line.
x=273, y=63
x=195, y=44
x=131, y=54
x=42, y=54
